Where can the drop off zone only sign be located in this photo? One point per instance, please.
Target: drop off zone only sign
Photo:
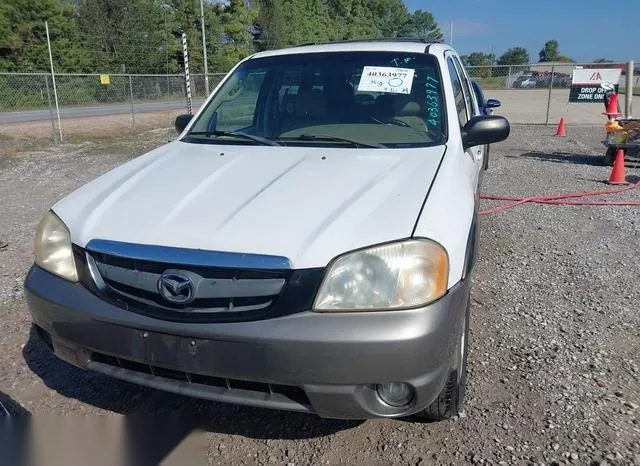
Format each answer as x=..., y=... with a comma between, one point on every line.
x=589, y=85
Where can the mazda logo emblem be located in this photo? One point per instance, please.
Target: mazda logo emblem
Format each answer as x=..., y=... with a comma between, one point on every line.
x=176, y=288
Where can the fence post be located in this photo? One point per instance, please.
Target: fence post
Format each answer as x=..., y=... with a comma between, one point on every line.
x=629, y=84
x=51, y=117
x=53, y=79
x=549, y=98
x=186, y=73
x=508, y=86
x=133, y=114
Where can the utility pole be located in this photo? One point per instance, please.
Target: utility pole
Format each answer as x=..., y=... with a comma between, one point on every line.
x=204, y=49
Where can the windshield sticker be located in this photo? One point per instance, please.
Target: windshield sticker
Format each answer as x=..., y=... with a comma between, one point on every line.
x=404, y=61
x=433, y=102
x=385, y=79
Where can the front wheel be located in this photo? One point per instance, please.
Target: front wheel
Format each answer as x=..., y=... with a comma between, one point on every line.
x=451, y=398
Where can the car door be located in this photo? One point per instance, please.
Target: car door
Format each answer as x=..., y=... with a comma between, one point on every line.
x=474, y=105
x=467, y=107
x=484, y=110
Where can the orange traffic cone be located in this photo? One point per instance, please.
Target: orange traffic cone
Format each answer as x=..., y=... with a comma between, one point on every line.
x=611, y=108
x=562, y=132
x=618, y=172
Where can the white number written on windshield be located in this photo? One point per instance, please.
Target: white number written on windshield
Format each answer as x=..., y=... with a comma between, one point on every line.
x=433, y=102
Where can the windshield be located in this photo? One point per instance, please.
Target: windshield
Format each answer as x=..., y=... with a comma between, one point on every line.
x=348, y=99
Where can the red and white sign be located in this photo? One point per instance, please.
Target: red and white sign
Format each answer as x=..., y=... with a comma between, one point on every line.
x=595, y=76
x=591, y=84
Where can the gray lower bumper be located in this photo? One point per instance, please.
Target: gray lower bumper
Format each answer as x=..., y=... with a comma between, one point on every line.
x=334, y=359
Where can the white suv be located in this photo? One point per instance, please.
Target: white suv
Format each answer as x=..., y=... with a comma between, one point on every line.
x=305, y=243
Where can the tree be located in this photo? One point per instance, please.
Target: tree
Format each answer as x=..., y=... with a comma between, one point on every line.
x=6, y=39
x=283, y=23
x=134, y=35
x=236, y=40
x=144, y=36
x=360, y=19
x=602, y=60
x=479, y=64
x=186, y=18
x=478, y=59
x=270, y=27
x=514, y=56
x=565, y=59
x=422, y=25
x=23, y=39
x=393, y=16
x=550, y=51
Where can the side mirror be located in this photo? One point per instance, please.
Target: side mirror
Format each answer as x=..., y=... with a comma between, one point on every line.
x=481, y=130
x=182, y=121
x=493, y=103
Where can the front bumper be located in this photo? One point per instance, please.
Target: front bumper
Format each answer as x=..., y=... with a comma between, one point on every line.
x=322, y=363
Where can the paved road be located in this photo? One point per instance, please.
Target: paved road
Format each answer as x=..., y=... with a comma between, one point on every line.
x=92, y=111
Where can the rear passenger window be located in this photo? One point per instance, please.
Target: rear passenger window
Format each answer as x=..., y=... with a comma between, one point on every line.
x=458, y=93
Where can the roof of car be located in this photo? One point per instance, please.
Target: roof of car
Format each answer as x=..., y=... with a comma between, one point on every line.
x=387, y=45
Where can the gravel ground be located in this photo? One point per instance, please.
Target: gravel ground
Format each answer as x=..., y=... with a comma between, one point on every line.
x=553, y=365
x=30, y=135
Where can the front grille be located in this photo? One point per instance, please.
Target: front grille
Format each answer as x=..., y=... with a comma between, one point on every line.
x=238, y=388
x=219, y=293
x=268, y=289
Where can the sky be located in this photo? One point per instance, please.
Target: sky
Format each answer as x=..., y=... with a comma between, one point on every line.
x=585, y=29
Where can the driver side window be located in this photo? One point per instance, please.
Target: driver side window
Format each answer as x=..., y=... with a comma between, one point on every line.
x=237, y=109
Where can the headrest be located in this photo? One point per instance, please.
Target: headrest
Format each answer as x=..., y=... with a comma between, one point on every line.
x=289, y=102
x=390, y=104
x=365, y=99
x=311, y=104
x=411, y=109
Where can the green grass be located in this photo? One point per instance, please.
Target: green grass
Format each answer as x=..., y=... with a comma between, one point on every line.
x=492, y=82
x=623, y=90
x=32, y=105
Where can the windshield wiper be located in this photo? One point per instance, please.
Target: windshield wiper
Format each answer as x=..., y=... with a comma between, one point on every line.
x=325, y=137
x=261, y=140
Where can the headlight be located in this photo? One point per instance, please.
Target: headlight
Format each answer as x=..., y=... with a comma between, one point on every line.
x=53, y=248
x=400, y=275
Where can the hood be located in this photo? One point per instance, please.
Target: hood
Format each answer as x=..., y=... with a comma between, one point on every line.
x=305, y=204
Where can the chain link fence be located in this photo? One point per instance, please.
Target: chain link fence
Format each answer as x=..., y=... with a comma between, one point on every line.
x=129, y=99
x=539, y=93
x=529, y=94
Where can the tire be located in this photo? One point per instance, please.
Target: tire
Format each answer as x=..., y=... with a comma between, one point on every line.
x=609, y=157
x=451, y=398
x=10, y=408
